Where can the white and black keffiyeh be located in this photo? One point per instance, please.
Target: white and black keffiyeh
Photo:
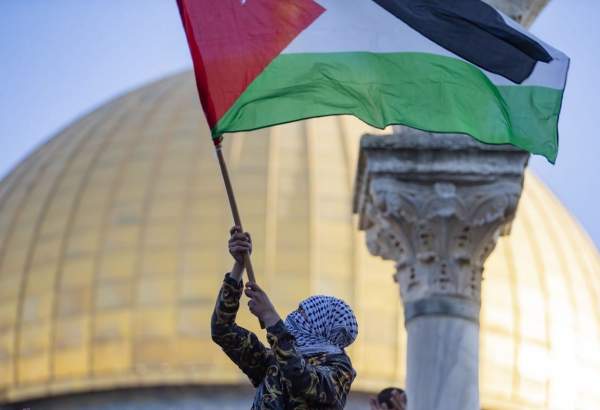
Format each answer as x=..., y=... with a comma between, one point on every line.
x=326, y=325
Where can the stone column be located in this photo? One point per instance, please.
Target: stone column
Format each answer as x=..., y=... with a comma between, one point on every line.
x=436, y=205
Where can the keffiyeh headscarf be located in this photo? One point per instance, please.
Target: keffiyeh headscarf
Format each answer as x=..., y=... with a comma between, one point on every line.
x=322, y=324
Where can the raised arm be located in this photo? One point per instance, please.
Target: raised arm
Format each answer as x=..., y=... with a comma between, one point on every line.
x=241, y=345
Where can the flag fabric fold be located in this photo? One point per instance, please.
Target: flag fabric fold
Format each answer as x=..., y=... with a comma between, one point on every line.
x=466, y=69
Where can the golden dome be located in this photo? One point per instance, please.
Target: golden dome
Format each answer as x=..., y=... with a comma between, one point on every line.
x=113, y=245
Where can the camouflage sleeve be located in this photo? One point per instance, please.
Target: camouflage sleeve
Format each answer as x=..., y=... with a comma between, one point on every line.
x=326, y=384
x=241, y=345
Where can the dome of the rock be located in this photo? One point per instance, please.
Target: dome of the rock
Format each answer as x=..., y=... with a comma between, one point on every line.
x=113, y=245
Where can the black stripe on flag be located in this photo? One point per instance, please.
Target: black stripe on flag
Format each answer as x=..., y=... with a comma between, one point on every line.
x=474, y=31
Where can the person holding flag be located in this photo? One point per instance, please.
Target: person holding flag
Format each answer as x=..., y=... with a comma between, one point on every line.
x=306, y=366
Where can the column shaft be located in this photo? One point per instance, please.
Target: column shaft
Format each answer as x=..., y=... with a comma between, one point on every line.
x=442, y=364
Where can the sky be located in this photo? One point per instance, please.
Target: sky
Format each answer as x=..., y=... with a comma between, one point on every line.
x=60, y=59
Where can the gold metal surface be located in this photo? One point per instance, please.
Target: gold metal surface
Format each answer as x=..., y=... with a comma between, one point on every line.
x=113, y=245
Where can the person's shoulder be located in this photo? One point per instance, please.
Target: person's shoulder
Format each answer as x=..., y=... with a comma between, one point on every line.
x=341, y=360
x=342, y=357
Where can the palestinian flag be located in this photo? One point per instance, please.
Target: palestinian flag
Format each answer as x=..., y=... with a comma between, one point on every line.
x=442, y=66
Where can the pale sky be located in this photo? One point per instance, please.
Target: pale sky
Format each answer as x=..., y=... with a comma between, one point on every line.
x=62, y=58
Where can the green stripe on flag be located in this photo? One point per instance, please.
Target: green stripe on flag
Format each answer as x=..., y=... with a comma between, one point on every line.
x=424, y=91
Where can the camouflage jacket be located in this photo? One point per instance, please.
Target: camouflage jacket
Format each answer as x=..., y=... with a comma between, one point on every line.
x=284, y=379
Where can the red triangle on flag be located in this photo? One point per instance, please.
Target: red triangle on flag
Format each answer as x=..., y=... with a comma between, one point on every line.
x=233, y=41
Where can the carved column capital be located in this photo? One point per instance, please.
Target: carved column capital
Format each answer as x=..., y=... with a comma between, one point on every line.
x=436, y=205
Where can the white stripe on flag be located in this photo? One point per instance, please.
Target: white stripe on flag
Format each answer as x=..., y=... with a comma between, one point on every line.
x=364, y=26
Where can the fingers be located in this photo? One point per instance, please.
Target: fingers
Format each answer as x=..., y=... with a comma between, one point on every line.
x=254, y=292
x=257, y=295
x=239, y=247
x=240, y=237
x=239, y=242
x=236, y=233
x=251, y=294
x=253, y=286
x=253, y=307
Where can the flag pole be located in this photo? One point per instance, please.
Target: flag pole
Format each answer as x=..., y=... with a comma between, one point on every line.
x=234, y=209
x=233, y=204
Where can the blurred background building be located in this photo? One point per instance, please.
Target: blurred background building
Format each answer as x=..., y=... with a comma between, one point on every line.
x=113, y=246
